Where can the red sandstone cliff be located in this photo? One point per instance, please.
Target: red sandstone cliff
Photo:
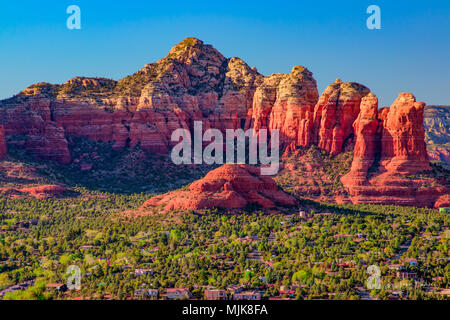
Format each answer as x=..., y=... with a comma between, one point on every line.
x=335, y=113
x=30, y=125
x=194, y=82
x=285, y=102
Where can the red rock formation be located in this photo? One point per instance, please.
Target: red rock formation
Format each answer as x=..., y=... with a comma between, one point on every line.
x=403, y=148
x=334, y=114
x=263, y=101
x=29, y=125
x=194, y=82
x=398, y=137
x=367, y=141
x=2, y=142
x=292, y=113
x=285, y=102
x=387, y=188
x=197, y=83
x=230, y=187
x=44, y=191
x=50, y=144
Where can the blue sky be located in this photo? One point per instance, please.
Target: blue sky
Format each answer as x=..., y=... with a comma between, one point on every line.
x=410, y=53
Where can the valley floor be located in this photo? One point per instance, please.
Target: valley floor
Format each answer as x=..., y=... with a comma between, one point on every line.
x=315, y=251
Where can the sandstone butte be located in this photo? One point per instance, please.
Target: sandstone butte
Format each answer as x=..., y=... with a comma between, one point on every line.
x=231, y=186
x=195, y=82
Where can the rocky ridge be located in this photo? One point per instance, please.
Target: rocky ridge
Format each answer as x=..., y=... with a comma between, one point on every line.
x=195, y=82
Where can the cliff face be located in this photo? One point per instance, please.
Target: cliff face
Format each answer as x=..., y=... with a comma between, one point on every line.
x=30, y=125
x=437, y=132
x=194, y=82
x=292, y=110
x=197, y=83
x=335, y=113
x=2, y=142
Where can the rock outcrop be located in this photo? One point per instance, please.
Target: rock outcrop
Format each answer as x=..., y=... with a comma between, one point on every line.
x=38, y=192
x=2, y=142
x=230, y=187
x=443, y=201
x=45, y=191
x=285, y=102
x=391, y=143
x=335, y=113
x=403, y=148
x=367, y=142
x=30, y=125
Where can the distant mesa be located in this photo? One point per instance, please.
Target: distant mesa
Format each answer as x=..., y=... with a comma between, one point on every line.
x=231, y=186
x=437, y=132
